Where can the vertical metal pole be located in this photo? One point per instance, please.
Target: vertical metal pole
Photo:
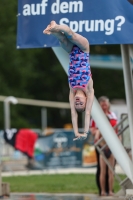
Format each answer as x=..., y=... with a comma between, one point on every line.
x=6, y=114
x=7, y=102
x=44, y=118
x=0, y=169
x=0, y=182
x=131, y=51
x=7, y=121
x=127, y=71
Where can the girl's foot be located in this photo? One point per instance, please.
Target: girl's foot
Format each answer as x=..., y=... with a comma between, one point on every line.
x=80, y=136
x=50, y=28
x=47, y=30
x=53, y=26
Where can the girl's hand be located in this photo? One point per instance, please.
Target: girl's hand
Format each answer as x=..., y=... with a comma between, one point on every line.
x=80, y=136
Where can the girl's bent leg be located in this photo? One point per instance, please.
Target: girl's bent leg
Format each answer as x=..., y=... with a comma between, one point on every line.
x=73, y=37
x=54, y=29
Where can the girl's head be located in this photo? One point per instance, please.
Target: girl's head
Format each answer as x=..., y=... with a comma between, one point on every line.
x=80, y=101
x=104, y=103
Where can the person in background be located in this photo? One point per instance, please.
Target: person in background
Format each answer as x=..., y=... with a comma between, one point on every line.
x=80, y=81
x=104, y=176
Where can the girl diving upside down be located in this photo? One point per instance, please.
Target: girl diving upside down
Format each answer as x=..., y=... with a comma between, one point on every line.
x=79, y=74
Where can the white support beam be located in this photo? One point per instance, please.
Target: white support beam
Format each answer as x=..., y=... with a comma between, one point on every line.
x=103, y=124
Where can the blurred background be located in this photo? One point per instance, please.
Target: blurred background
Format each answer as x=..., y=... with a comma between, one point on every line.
x=42, y=137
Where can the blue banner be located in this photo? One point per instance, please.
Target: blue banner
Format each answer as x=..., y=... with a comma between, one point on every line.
x=100, y=21
x=58, y=150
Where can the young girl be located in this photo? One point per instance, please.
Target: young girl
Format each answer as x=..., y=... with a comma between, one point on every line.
x=79, y=73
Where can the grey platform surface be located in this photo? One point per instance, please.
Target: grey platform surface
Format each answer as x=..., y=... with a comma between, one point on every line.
x=60, y=197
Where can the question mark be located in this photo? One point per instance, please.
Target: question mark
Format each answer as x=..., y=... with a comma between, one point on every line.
x=122, y=21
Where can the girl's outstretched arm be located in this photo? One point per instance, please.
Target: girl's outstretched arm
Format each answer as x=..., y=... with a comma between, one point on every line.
x=90, y=98
x=74, y=114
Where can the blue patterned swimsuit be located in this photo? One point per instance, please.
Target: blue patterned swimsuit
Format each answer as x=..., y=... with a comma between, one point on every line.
x=79, y=72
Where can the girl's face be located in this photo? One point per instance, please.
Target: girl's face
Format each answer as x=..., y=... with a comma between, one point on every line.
x=80, y=102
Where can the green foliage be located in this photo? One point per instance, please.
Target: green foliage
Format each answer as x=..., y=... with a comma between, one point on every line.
x=109, y=83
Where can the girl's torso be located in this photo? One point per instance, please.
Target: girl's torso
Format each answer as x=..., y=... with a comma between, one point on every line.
x=79, y=72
